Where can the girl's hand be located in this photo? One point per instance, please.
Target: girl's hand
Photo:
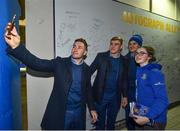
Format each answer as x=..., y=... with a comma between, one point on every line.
x=141, y=120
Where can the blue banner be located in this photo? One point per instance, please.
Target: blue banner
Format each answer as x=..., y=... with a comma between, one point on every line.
x=10, y=107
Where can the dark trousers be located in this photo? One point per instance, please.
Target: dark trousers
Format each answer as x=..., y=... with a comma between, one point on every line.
x=130, y=123
x=73, y=120
x=107, y=113
x=155, y=126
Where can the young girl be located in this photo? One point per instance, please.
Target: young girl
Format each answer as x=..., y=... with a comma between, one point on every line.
x=151, y=90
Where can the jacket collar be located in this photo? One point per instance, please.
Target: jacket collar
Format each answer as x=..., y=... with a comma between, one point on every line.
x=74, y=61
x=107, y=54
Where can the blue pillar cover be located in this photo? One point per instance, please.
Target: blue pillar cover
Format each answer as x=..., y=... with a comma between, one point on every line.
x=10, y=107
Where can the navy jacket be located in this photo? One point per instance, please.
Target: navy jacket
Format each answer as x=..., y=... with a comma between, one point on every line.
x=61, y=69
x=103, y=66
x=131, y=74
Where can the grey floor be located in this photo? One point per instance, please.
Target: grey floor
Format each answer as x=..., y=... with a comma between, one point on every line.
x=174, y=119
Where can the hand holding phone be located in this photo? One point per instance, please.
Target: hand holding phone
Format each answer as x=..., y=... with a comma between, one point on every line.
x=12, y=24
x=11, y=35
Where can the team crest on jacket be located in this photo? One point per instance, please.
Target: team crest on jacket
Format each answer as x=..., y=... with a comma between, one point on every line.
x=144, y=76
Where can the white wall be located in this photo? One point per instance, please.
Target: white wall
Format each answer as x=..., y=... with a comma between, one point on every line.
x=39, y=40
x=143, y=4
x=164, y=7
x=168, y=8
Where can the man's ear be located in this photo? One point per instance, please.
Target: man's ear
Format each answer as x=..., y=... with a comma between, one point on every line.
x=85, y=53
x=121, y=47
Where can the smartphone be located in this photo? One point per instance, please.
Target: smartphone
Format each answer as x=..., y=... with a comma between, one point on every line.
x=13, y=23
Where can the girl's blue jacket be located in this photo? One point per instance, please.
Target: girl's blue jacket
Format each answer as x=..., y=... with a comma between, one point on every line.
x=151, y=91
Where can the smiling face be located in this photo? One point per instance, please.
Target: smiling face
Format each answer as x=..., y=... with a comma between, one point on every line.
x=115, y=47
x=78, y=51
x=133, y=46
x=142, y=57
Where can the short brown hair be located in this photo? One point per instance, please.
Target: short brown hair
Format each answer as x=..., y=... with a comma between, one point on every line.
x=151, y=52
x=117, y=38
x=83, y=41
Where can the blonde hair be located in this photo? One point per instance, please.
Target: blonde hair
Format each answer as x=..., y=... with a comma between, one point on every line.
x=116, y=38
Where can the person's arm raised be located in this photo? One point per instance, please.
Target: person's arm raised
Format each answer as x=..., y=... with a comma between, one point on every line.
x=19, y=51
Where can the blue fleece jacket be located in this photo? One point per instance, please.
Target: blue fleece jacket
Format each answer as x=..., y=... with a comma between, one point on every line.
x=151, y=91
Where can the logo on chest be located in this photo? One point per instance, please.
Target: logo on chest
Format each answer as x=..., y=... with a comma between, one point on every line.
x=144, y=76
